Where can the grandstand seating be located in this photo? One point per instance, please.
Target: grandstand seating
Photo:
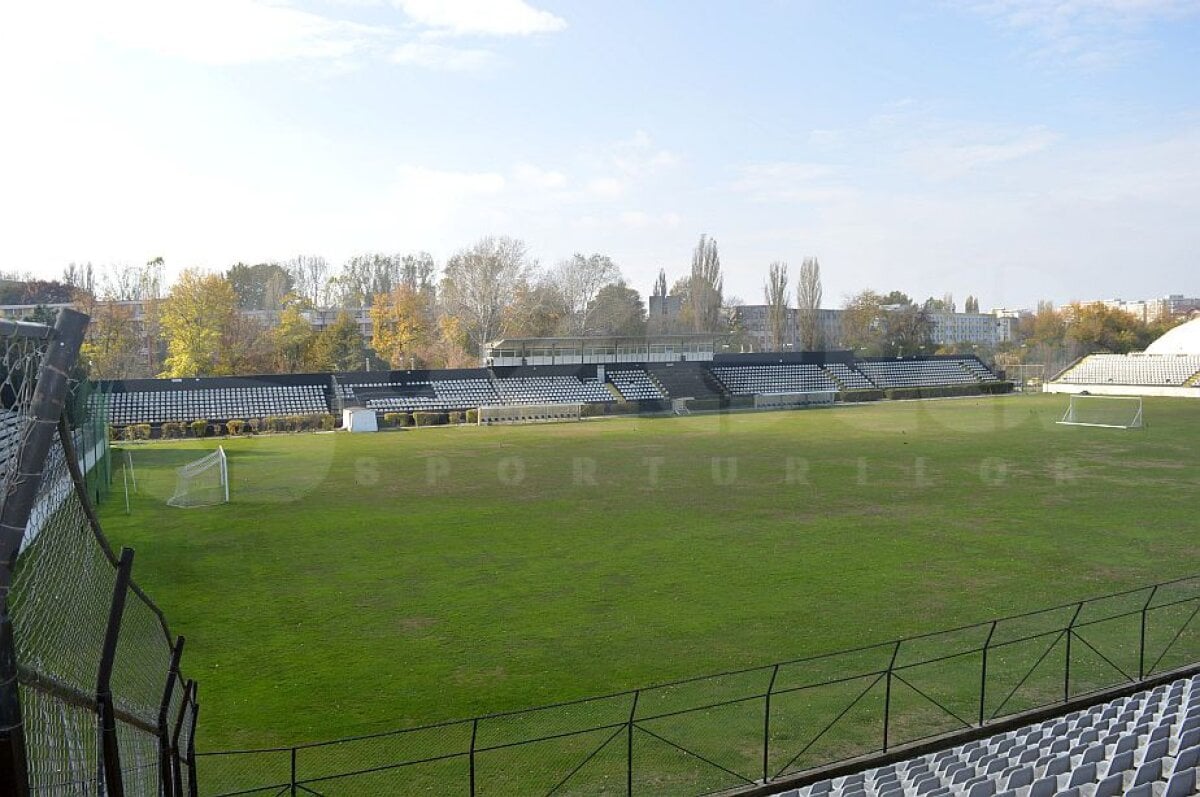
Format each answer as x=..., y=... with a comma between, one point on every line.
x=551, y=390
x=415, y=395
x=979, y=370
x=749, y=380
x=218, y=403
x=920, y=373
x=847, y=377
x=635, y=385
x=1133, y=369
x=1144, y=745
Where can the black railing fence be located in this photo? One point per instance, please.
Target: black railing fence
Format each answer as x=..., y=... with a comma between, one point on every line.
x=753, y=726
x=91, y=696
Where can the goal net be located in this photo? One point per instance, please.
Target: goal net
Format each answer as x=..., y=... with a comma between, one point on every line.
x=1109, y=412
x=204, y=482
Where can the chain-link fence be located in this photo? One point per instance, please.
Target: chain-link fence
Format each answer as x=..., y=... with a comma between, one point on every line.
x=91, y=699
x=756, y=726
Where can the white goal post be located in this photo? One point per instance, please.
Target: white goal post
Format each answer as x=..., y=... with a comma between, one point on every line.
x=204, y=482
x=529, y=413
x=1107, y=412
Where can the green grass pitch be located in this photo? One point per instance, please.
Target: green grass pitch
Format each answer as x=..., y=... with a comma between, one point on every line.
x=363, y=583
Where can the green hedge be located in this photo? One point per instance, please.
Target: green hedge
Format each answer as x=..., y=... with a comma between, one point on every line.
x=429, y=418
x=861, y=394
x=944, y=391
x=198, y=428
x=472, y=416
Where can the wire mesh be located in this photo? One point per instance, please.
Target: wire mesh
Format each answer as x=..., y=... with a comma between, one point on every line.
x=61, y=578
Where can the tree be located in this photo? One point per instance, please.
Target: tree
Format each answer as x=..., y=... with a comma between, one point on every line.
x=908, y=330
x=863, y=323
x=401, y=325
x=310, y=277
x=808, y=299
x=366, y=276
x=480, y=282
x=195, y=319
x=338, y=347
x=292, y=338
x=1098, y=327
x=262, y=286
x=705, y=286
x=537, y=310
x=113, y=348
x=578, y=280
x=777, y=296
x=971, y=305
x=658, y=321
x=618, y=311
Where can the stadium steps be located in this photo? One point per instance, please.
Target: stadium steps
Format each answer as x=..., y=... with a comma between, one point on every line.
x=620, y=399
x=685, y=380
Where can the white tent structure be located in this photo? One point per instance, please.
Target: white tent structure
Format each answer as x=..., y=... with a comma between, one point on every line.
x=1183, y=339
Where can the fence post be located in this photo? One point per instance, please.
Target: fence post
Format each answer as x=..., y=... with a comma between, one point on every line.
x=1067, y=668
x=293, y=788
x=25, y=477
x=629, y=744
x=887, y=695
x=176, y=765
x=474, y=734
x=164, y=735
x=1142, y=644
x=767, y=722
x=193, y=786
x=109, y=745
x=983, y=674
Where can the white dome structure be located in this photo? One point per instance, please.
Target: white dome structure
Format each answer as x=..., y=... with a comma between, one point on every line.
x=1183, y=339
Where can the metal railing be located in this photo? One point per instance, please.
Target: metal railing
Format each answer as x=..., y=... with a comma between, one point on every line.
x=753, y=726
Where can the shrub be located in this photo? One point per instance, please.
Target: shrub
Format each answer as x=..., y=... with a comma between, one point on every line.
x=456, y=417
x=406, y=420
x=326, y=422
x=391, y=419
x=235, y=426
x=198, y=428
x=472, y=416
x=273, y=423
x=861, y=394
x=170, y=430
x=143, y=431
x=114, y=433
x=429, y=418
x=253, y=425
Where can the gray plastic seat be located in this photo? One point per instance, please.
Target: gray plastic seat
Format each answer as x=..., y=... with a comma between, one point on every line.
x=1183, y=784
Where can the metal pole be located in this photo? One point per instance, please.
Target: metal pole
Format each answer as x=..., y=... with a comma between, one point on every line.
x=474, y=733
x=293, y=790
x=1067, y=668
x=983, y=673
x=887, y=696
x=1142, y=644
x=164, y=734
x=176, y=764
x=109, y=746
x=25, y=478
x=629, y=745
x=767, y=723
x=193, y=787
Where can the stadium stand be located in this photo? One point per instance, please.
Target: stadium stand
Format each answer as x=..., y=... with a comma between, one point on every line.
x=923, y=373
x=217, y=403
x=419, y=394
x=685, y=380
x=635, y=385
x=1144, y=745
x=749, y=380
x=847, y=377
x=552, y=389
x=1134, y=369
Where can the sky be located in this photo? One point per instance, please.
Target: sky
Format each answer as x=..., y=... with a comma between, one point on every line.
x=1011, y=149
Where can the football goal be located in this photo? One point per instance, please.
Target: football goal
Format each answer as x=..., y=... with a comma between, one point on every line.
x=204, y=482
x=1109, y=412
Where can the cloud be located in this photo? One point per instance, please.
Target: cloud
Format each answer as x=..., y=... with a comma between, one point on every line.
x=217, y=32
x=1090, y=34
x=953, y=157
x=536, y=177
x=606, y=187
x=481, y=17
x=784, y=181
x=438, y=56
